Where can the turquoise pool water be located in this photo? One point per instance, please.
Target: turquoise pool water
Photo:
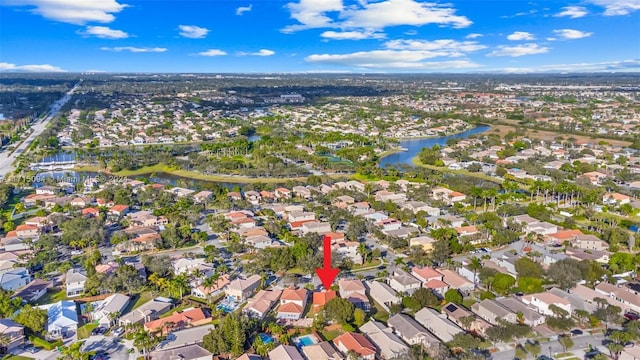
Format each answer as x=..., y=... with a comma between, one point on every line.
x=306, y=340
x=266, y=338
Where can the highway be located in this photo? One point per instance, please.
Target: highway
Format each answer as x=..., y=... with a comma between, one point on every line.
x=7, y=159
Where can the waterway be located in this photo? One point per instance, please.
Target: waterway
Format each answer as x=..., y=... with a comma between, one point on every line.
x=414, y=146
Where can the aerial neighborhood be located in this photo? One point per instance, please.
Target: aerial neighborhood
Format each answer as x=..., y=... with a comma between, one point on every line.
x=190, y=226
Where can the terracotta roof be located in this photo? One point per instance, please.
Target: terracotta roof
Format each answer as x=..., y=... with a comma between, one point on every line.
x=356, y=342
x=426, y=272
x=26, y=227
x=119, y=208
x=294, y=294
x=186, y=317
x=322, y=297
x=435, y=284
x=291, y=308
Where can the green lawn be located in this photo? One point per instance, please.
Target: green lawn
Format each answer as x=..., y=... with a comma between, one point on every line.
x=53, y=295
x=85, y=330
x=142, y=298
x=330, y=335
x=381, y=314
x=16, y=357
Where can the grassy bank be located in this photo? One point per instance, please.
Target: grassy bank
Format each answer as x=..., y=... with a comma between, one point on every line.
x=416, y=161
x=187, y=174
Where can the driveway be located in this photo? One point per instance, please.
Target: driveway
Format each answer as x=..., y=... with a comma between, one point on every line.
x=40, y=355
x=108, y=344
x=553, y=347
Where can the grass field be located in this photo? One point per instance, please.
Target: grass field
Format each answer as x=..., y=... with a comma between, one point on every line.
x=85, y=330
x=16, y=357
x=548, y=135
x=53, y=295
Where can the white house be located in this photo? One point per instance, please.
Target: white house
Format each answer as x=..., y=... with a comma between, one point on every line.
x=14, y=279
x=542, y=301
x=109, y=309
x=74, y=281
x=62, y=318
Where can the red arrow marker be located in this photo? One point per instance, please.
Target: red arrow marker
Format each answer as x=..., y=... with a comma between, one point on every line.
x=327, y=274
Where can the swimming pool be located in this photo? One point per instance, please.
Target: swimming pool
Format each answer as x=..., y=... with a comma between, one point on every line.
x=306, y=340
x=266, y=338
x=227, y=305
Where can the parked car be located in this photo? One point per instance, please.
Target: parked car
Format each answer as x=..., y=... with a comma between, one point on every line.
x=117, y=332
x=632, y=315
x=576, y=332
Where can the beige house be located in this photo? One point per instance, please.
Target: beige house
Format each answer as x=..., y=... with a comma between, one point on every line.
x=242, y=289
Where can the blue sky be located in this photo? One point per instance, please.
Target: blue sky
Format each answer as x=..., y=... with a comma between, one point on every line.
x=319, y=35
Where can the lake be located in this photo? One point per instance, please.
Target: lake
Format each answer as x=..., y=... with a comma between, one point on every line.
x=414, y=146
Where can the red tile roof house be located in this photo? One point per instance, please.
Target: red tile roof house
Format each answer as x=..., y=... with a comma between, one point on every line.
x=357, y=343
x=178, y=320
x=292, y=304
x=90, y=212
x=119, y=210
x=282, y=193
x=27, y=231
x=320, y=298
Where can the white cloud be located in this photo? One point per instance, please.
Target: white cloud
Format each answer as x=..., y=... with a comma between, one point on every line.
x=193, y=32
x=444, y=47
x=104, y=32
x=617, y=7
x=243, y=9
x=311, y=14
x=134, y=49
x=213, y=52
x=519, y=50
x=29, y=68
x=390, y=59
x=352, y=35
x=262, y=52
x=473, y=36
x=77, y=12
x=622, y=66
x=573, y=12
x=411, y=32
x=371, y=15
x=571, y=34
x=521, y=35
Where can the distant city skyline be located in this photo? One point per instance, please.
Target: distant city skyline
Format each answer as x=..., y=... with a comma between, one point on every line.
x=224, y=36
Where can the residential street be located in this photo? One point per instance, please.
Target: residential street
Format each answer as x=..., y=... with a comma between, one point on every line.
x=580, y=343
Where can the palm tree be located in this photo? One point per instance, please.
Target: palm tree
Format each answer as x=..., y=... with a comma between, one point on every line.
x=475, y=265
x=144, y=341
x=363, y=250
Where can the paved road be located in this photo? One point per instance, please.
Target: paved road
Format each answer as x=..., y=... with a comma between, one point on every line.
x=7, y=160
x=579, y=343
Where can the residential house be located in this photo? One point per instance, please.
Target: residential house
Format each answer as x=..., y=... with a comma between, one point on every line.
x=431, y=279
x=321, y=351
x=282, y=193
x=492, y=311
x=456, y=281
x=411, y=331
x=27, y=231
x=388, y=344
x=14, y=279
x=426, y=242
x=589, y=242
x=577, y=302
x=418, y=206
x=315, y=227
x=456, y=313
x=242, y=289
x=630, y=299
x=74, y=282
x=296, y=216
x=13, y=333
x=383, y=294
x=34, y=290
x=542, y=301
x=261, y=303
x=285, y=352
x=202, y=197
x=357, y=343
x=354, y=291
x=630, y=353
x=187, y=352
x=146, y=312
x=404, y=283
x=178, y=320
x=302, y=192
x=438, y=324
x=208, y=292
x=118, y=210
x=616, y=199
x=250, y=357
x=529, y=316
x=320, y=299
x=62, y=318
x=292, y=304
x=109, y=309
